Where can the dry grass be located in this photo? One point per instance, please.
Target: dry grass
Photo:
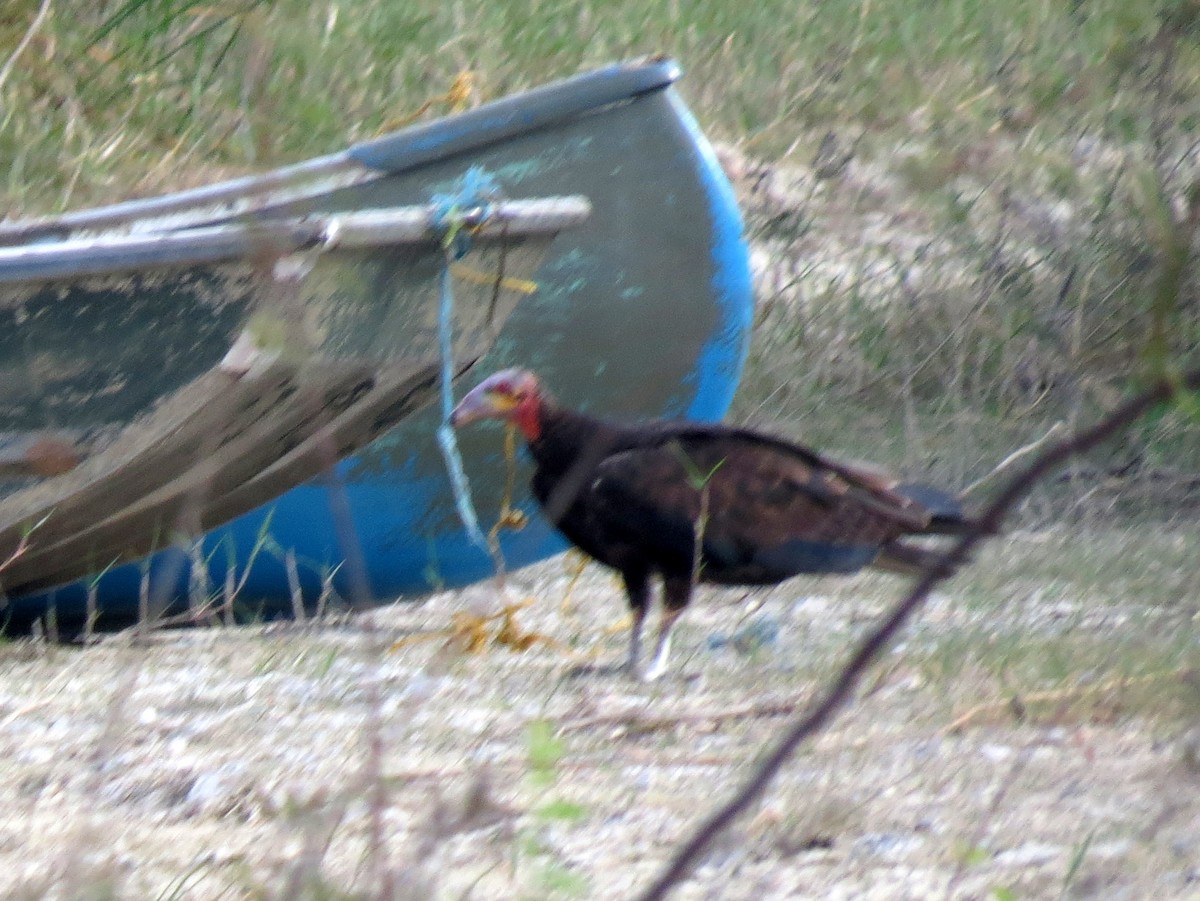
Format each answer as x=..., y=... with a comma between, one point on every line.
x=940, y=344
x=965, y=215
x=242, y=763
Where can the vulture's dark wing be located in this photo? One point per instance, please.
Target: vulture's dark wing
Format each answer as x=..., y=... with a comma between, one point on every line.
x=772, y=509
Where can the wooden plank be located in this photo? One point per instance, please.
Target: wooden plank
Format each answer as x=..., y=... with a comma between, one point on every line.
x=236, y=451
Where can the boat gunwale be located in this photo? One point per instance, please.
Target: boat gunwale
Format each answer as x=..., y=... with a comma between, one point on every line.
x=368, y=160
x=357, y=230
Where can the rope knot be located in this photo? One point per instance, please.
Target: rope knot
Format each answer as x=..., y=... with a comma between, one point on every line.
x=457, y=216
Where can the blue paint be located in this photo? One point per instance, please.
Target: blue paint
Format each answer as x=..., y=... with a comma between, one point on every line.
x=815, y=557
x=719, y=366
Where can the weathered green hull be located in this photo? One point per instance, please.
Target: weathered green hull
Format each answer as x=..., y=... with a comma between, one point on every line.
x=642, y=308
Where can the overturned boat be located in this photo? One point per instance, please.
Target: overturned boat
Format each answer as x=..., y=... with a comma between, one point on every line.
x=221, y=399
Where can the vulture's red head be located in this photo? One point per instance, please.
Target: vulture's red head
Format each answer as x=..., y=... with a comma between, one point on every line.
x=511, y=395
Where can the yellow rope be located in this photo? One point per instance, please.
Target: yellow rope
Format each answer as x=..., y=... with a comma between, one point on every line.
x=576, y=562
x=458, y=98
x=468, y=274
x=461, y=89
x=510, y=517
x=473, y=633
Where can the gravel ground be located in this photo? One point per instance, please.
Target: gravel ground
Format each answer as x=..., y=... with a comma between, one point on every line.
x=1033, y=735
x=252, y=762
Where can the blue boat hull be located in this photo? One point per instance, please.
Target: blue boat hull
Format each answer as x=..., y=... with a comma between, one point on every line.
x=645, y=310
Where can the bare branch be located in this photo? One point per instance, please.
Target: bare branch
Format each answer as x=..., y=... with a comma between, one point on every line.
x=1018, y=705
x=989, y=522
x=641, y=723
x=1008, y=463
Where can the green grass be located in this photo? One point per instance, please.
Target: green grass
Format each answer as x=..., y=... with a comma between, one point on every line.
x=119, y=97
x=973, y=126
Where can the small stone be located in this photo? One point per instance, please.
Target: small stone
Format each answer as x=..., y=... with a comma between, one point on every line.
x=759, y=633
x=1183, y=847
x=1119, y=847
x=213, y=789
x=1189, y=750
x=754, y=636
x=890, y=845
x=996, y=753
x=1031, y=854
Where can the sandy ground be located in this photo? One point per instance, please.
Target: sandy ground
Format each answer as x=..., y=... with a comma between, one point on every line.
x=290, y=761
x=253, y=762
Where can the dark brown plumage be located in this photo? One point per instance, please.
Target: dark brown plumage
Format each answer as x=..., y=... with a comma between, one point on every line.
x=644, y=498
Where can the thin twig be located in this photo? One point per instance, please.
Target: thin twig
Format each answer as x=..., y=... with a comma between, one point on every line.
x=293, y=580
x=984, y=822
x=376, y=788
x=989, y=522
x=1075, y=692
x=519, y=766
x=635, y=720
x=1016, y=457
x=20, y=550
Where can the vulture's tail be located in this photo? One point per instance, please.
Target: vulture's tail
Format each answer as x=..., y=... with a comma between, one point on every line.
x=947, y=517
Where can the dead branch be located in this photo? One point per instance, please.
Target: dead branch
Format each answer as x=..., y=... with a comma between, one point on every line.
x=636, y=721
x=1017, y=704
x=1016, y=457
x=574, y=764
x=988, y=523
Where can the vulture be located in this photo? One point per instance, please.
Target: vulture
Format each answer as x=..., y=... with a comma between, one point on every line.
x=697, y=503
